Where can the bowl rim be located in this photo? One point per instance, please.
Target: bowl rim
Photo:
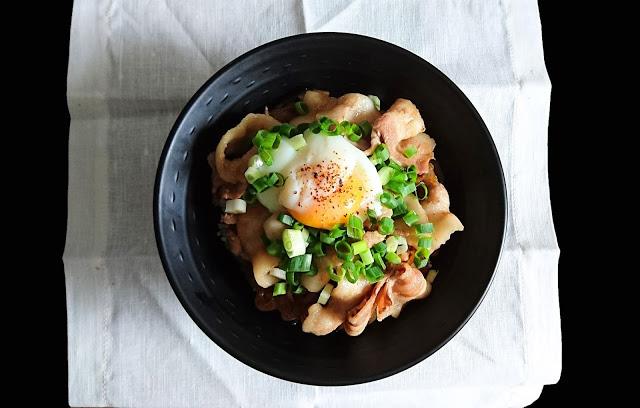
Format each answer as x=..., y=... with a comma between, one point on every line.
x=182, y=297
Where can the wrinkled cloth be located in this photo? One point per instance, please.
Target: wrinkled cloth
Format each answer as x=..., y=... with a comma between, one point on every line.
x=132, y=67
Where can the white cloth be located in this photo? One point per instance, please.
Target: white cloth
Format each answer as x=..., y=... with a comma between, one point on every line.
x=132, y=67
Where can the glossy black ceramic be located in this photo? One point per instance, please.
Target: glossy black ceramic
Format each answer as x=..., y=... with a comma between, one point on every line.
x=206, y=277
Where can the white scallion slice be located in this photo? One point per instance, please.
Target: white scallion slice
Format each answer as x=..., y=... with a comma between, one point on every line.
x=278, y=273
x=392, y=243
x=375, y=100
x=252, y=174
x=237, y=206
x=294, y=243
x=325, y=294
x=298, y=142
x=402, y=245
x=431, y=276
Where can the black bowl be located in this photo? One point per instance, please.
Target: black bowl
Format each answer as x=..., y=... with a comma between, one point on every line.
x=207, y=278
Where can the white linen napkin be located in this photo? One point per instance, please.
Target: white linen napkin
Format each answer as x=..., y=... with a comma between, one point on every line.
x=132, y=67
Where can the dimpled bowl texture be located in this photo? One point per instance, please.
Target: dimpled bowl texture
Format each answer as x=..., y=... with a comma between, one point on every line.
x=208, y=280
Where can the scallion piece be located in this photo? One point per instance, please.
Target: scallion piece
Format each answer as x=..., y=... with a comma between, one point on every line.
x=421, y=258
x=266, y=156
x=315, y=248
x=410, y=218
x=355, y=229
x=400, y=209
x=395, y=166
x=326, y=239
x=431, y=275
x=294, y=242
x=279, y=288
x=373, y=273
x=286, y=219
x=366, y=127
x=376, y=101
x=367, y=257
x=410, y=151
x=373, y=216
x=278, y=273
x=392, y=244
x=425, y=242
x=235, y=206
x=385, y=174
x=381, y=153
x=286, y=130
x=422, y=191
x=350, y=271
x=412, y=173
x=385, y=226
x=279, y=180
x=313, y=271
x=252, y=174
x=336, y=232
x=336, y=277
x=402, y=245
x=298, y=142
x=255, y=161
x=400, y=187
x=298, y=226
x=377, y=259
x=249, y=195
x=298, y=290
x=301, y=128
x=343, y=249
x=292, y=279
x=325, y=294
x=392, y=258
x=424, y=228
x=301, y=108
x=379, y=248
x=301, y=263
x=359, y=247
x=388, y=200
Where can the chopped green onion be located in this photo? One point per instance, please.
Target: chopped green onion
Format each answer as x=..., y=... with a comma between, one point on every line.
x=235, y=206
x=336, y=277
x=301, y=128
x=380, y=248
x=371, y=213
x=402, y=245
x=279, y=288
x=391, y=257
x=431, y=276
x=298, y=290
x=301, y=263
x=294, y=242
x=336, y=232
x=325, y=294
x=266, y=157
x=385, y=227
x=366, y=257
x=425, y=242
x=377, y=258
x=313, y=271
x=315, y=248
x=350, y=271
x=365, y=126
x=392, y=244
x=388, y=200
x=412, y=173
x=355, y=229
x=286, y=219
x=255, y=161
x=373, y=273
x=261, y=184
x=292, y=279
x=401, y=188
x=278, y=273
x=359, y=247
x=301, y=108
x=285, y=130
x=400, y=209
x=422, y=191
x=410, y=151
x=326, y=239
x=252, y=174
x=376, y=101
x=298, y=226
x=411, y=218
x=279, y=180
x=354, y=132
x=381, y=153
x=343, y=250
x=298, y=142
x=275, y=248
x=398, y=176
x=385, y=174
x=421, y=258
x=424, y=228
x=305, y=233
x=395, y=166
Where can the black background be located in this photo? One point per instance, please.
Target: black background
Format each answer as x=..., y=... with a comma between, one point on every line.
x=49, y=357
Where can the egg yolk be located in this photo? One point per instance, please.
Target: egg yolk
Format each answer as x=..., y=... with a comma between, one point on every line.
x=327, y=199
